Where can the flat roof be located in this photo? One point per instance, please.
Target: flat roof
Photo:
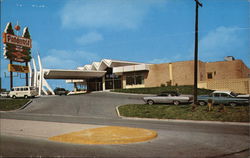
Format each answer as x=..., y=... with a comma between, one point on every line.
x=71, y=74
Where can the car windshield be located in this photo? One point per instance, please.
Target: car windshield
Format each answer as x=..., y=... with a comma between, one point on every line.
x=233, y=94
x=169, y=93
x=176, y=94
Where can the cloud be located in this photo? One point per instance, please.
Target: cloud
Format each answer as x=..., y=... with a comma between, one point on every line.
x=158, y=61
x=175, y=58
x=89, y=38
x=221, y=42
x=111, y=14
x=63, y=59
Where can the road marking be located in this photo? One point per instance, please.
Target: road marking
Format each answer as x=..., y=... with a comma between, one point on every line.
x=107, y=135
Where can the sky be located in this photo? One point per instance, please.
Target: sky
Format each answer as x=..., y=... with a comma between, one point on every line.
x=71, y=33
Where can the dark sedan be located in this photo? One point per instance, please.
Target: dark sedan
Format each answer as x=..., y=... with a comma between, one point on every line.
x=224, y=97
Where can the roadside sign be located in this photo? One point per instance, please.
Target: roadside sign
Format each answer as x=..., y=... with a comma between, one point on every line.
x=18, y=68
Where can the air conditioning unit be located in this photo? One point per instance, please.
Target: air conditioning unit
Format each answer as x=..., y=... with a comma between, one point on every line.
x=229, y=58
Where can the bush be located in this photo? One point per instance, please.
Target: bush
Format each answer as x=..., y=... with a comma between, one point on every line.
x=157, y=90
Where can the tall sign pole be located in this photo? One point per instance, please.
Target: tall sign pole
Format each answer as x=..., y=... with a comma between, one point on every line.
x=27, y=75
x=196, y=51
x=17, y=49
x=11, y=77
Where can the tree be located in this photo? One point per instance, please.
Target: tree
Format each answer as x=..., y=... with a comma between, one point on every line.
x=27, y=50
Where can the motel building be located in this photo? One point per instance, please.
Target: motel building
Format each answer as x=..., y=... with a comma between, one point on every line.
x=107, y=74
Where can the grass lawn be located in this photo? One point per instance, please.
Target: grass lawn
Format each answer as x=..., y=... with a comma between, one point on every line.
x=12, y=104
x=231, y=114
x=157, y=90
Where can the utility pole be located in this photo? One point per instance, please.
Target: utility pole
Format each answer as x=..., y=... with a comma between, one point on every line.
x=196, y=52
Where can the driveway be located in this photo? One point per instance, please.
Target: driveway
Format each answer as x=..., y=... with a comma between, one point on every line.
x=92, y=105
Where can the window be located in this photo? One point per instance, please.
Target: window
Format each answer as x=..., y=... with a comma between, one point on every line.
x=139, y=80
x=129, y=80
x=216, y=94
x=134, y=80
x=233, y=94
x=224, y=95
x=209, y=75
x=163, y=94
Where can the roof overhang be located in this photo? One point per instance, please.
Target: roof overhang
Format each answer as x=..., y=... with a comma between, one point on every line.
x=131, y=68
x=71, y=74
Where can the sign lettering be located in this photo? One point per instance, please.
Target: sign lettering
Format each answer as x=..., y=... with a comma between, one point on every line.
x=18, y=68
x=17, y=40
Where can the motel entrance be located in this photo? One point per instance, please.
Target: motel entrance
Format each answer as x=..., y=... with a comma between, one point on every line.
x=94, y=84
x=108, y=81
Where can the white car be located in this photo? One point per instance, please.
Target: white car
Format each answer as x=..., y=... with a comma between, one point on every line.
x=169, y=97
x=4, y=94
x=24, y=91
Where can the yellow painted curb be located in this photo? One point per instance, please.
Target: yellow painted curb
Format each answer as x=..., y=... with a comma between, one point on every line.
x=107, y=135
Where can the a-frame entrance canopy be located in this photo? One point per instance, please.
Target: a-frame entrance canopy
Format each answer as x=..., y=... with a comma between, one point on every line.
x=95, y=70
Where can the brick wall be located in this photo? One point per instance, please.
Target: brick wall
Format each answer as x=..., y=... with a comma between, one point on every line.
x=227, y=70
x=241, y=85
x=158, y=74
x=183, y=74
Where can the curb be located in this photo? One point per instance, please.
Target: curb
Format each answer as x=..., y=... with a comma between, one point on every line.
x=180, y=121
x=133, y=94
x=25, y=105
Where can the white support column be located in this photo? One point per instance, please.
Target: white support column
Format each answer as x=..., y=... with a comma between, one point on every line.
x=35, y=73
x=44, y=91
x=45, y=83
x=40, y=76
x=103, y=83
x=31, y=73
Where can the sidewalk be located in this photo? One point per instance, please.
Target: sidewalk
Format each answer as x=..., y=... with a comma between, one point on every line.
x=39, y=129
x=76, y=133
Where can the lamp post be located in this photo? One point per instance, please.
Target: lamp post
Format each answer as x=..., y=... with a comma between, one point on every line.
x=196, y=52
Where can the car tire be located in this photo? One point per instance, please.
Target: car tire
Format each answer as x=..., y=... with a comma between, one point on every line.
x=25, y=96
x=14, y=97
x=150, y=102
x=176, y=102
x=202, y=103
x=232, y=104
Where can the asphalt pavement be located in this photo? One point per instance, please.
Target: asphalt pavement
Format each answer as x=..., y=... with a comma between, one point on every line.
x=90, y=105
x=25, y=132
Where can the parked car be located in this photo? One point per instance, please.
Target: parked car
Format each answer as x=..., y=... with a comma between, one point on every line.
x=60, y=91
x=168, y=97
x=4, y=94
x=76, y=92
x=224, y=97
x=24, y=91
